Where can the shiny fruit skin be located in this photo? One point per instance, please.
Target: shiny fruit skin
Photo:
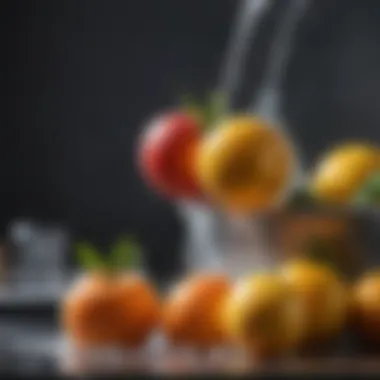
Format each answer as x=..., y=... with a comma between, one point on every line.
x=341, y=173
x=100, y=311
x=322, y=296
x=192, y=311
x=244, y=164
x=365, y=307
x=167, y=151
x=261, y=316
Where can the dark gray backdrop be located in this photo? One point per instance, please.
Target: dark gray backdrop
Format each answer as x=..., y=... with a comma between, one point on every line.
x=79, y=77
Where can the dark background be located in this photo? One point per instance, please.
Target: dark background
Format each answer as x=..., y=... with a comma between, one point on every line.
x=79, y=77
x=79, y=80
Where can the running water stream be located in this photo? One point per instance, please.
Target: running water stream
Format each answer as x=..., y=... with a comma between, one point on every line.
x=217, y=241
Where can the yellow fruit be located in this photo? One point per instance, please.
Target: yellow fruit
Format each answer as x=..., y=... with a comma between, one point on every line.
x=260, y=315
x=341, y=173
x=365, y=306
x=244, y=164
x=322, y=297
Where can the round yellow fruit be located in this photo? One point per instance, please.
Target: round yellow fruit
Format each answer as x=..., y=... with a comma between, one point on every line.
x=322, y=297
x=341, y=173
x=366, y=307
x=244, y=164
x=260, y=315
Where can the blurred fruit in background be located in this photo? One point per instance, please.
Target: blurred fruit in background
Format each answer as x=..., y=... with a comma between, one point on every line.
x=261, y=315
x=243, y=164
x=326, y=236
x=322, y=297
x=343, y=171
x=110, y=306
x=166, y=152
x=192, y=311
x=365, y=307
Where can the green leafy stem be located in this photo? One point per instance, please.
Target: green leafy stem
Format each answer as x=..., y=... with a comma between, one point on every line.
x=125, y=253
x=209, y=111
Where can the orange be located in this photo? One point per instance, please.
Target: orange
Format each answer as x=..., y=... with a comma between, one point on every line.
x=244, y=164
x=101, y=310
x=192, y=311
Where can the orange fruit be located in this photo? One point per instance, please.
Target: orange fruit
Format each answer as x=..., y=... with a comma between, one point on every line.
x=244, y=164
x=322, y=297
x=118, y=310
x=340, y=174
x=261, y=316
x=365, y=306
x=192, y=311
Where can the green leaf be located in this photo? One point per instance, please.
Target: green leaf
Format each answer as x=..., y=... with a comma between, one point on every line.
x=125, y=253
x=88, y=256
x=211, y=109
x=192, y=107
x=218, y=106
x=369, y=194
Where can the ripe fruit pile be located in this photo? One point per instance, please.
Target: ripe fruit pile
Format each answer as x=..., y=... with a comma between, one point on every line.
x=243, y=164
x=238, y=162
x=302, y=304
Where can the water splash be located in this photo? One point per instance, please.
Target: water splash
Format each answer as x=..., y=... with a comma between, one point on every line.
x=268, y=101
x=249, y=16
x=238, y=244
x=279, y=57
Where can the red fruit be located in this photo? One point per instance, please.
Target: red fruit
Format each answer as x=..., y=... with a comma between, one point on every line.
x=166, y=154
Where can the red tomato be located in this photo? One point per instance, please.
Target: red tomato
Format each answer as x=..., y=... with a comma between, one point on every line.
x=166, y=154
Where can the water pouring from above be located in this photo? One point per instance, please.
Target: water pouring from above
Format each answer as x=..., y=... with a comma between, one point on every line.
x=228, y=169
x=248, y=163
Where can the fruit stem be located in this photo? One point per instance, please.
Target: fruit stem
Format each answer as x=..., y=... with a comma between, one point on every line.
x=213, y=108
x=124, y=254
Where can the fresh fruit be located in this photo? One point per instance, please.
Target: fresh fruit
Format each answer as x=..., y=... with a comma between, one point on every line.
x=166, y=154
x=322, y=298
x=108, y=307
x=192, y=312
x=244, y=164
x=261, y=315
x=343, y=171
x=321, y=235
x=365, y=307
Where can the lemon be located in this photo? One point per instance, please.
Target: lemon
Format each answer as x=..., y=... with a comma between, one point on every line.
x=261, y=316
x=244, y=164
x=341, y=173
x=322, y=297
